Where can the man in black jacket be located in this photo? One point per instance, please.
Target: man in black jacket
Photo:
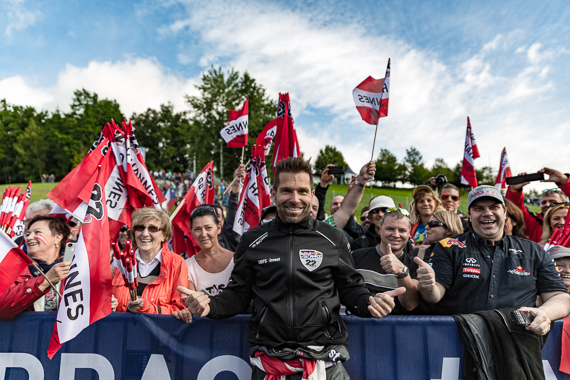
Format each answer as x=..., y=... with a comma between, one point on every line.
x=298, y=271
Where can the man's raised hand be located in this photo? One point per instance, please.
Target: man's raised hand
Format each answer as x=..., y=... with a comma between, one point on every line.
x=382, y=303
x=326, y=177
x=390, y=263
x=425, y=274
x=367, y=172
x=196, y=302
x=554, y=176
x=518, y=186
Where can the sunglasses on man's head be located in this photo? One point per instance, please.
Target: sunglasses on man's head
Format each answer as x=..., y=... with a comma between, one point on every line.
x=151, y=229
x=402, y=211
x=435, y=223
x=556, y=190
x=377, y=210
x=445, y=197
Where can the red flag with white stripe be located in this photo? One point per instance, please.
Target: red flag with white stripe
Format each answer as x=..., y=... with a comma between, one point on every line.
x=504, y=171
x=201, y=192
x=371, y=97
x=265, y=138
x=88, y=288
x=13, y=261
x=235, y=133
x=255, y=193
x=470, y=153
x=286, y=142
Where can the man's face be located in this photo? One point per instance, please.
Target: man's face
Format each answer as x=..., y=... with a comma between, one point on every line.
x=546, y=200
x=364, y=221
x=450, y=199
x=488, y=218
x=294, y=196
x=314, y=208
x=395, y=232
x=375, y=216
x=335, y=204
x=563, y=265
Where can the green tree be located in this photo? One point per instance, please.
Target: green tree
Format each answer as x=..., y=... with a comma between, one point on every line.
x=388, y=170
x=329, y=155
x=456, y=177
x=32, y=151
x=416, y=172
x=485, y=176
x=221, y=92
x=166, y=135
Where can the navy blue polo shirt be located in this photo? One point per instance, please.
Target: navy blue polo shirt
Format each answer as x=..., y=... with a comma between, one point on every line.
x=480, y=275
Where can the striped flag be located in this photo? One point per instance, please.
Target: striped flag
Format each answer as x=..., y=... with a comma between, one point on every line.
x=235, y=133
x=504, y=171
x=13, y=261
x=371, y=97
x=470, y=153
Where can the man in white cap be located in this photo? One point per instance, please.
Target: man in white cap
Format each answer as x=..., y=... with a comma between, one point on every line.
x=485, y=269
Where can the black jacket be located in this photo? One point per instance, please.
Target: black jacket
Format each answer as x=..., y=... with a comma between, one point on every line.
x=297, y=275
x=228, y=238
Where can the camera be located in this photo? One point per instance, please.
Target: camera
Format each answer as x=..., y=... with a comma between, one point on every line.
x=440, y=179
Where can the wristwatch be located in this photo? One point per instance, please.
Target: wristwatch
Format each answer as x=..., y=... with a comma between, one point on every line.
x=358, y=183
x=405, y=273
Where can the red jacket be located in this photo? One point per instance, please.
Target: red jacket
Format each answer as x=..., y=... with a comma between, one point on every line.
x=160, y=296
x=532, y=227
x=21, y=296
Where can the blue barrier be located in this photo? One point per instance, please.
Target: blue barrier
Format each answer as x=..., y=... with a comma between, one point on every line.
x=135, y=346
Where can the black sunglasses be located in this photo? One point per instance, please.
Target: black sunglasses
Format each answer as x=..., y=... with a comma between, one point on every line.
x=559, y=204
x=377, y=210
x=363, y=218
x=435, y=223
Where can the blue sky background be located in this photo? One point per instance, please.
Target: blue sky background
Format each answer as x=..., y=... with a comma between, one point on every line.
x=504, y=64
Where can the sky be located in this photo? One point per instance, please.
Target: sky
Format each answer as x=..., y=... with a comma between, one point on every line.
x=503, y=64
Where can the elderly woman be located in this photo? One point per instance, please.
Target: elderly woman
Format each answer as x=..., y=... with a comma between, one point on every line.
x=209, y=270
x=554, y=218
x=159, y=270
x=44, y=239
x=424, y=204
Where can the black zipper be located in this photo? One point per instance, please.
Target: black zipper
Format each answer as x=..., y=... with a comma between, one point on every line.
x=291, y=290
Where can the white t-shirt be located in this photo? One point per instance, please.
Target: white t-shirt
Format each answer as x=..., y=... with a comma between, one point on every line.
x=213, y=283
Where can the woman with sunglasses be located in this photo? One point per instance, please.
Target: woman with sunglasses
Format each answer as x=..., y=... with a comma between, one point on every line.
x=424, y=204
x=159, y=271
x=554, y=218
x=209, y=270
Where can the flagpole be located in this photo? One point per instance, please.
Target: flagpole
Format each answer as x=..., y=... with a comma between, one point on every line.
x=231, y=183
x=177, y=209
x=45, y=277
x=375, y=131
x=242, y=153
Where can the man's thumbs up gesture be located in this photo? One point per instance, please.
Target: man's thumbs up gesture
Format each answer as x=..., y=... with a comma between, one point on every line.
x=382, y=303
x=390, y=263
x=426, y=275
x=196, y=302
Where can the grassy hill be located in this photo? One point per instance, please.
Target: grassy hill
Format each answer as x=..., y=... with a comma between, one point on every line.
x=39, y=190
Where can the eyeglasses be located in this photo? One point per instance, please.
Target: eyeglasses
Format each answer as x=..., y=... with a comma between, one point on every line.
x=363, y=218
x=559, y=204
x=151, y=229
x=435, y=223
x=445, y=197
x=377, y=210
x=402, y=211
x=556, y=190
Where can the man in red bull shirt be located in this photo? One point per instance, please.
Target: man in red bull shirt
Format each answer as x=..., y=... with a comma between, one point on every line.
x=486, y=269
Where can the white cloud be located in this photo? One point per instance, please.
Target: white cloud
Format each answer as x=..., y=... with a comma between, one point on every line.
x=429, y=101
x=18, y=16
x=136, y=84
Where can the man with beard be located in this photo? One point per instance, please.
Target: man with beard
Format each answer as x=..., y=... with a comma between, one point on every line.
x=298, y=271
x=485, y=269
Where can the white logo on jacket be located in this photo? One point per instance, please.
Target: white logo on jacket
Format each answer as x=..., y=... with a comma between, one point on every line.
x=310, y=258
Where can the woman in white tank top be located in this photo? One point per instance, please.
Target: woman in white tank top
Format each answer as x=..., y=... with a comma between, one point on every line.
x=209, y=270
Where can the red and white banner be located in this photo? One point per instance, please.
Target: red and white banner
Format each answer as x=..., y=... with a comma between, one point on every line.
x=13, y=261
x=468, y=176
x=265, y=138
x=371, y=97
x=286, y=142
x=504, y=171
x=201, y=192
x=88, y=288
x=255, y=193
x=235, y=133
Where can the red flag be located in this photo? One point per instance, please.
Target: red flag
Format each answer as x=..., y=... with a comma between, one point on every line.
x=235, y=133
x=371, y=97
x=255, y=193
x=265, y=138
x=468, y=176
x=88, y=288
x=286, y=142
x=12, y=262
x=201, y=192
x=18, y=225
x=504, y=171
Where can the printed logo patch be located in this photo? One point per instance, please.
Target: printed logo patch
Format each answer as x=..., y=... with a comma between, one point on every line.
x=519, y=271
x=448, y=242
x=310, y=258
x=471, y=270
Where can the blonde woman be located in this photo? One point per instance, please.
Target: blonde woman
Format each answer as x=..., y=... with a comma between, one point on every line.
x=553, y=219
x=424, y=204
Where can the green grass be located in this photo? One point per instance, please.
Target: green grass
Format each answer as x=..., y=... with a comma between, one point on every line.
x=403, y=196
x=39, y=190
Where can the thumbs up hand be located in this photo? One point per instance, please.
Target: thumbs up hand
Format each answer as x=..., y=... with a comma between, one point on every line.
x=425, y=274
x=196, y=302
x=382, y=303
x=390, y=263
